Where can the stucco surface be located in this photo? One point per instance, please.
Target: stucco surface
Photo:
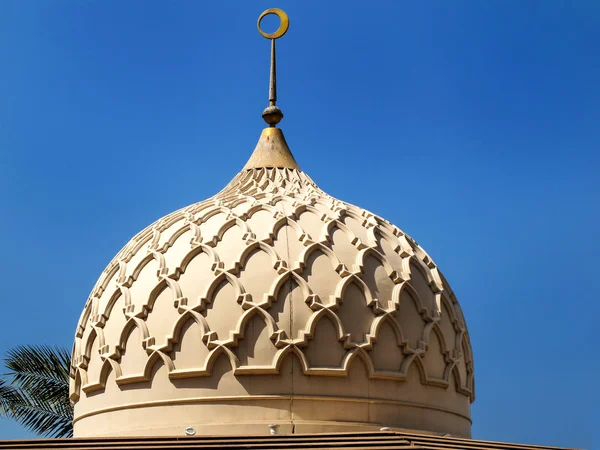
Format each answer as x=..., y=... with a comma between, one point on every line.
x=271, y=302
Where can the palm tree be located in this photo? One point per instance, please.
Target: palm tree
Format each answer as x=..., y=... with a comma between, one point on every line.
x=35, y=391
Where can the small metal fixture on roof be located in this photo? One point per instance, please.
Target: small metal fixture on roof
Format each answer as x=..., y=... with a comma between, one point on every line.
x=190, y=431
x=385, y=429
x=274, y=429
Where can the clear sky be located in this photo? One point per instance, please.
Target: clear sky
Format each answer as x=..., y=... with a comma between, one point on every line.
x=472, y=125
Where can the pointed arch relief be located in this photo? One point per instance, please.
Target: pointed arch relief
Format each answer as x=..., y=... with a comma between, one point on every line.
x=336, y=264
x=180, y=245
x=133, y=354
x=223, y=306
x=290, y=308
x=388, y=245
x=353, y=359
x=241, y=204
x=250, y=310
x=360, y=226
x=211, y=224
x=255, y=348
x=283, y=203
x=107, y=367
x=449, y=326
x=424, y=284
x=460, y=318
x=115, y=322
x=195, y=211
x=311, y=221
x=163, y=315
x=231, y=245
x=167, y=222
x=75, y=383
x=219, y=361
x=167, y=233
x=94, y=363
x=133, y=254
x=265, y=184
x=190, y=353
x=325, y=348
x=196, y=275
x=457, y=385
x=464, y=369
x=413, y=370
x=252, y=246
x=293, y=353
x=354, y=309
x=344, y=244
x=284, y=220
x=423, y=256
x=435, y=362
x=89, y=332
x=467, y=351
x=411, y=316
x=461, y=376
x=193, y=253
x=76, y=351
x=258, y=274
x=151, y=367
x=261, y=221
x=165, y=284
x=179, y=326
x=319, y=272
x=116, y=298
x=106, y=290
x=143, y=281
x=289, y=241
x=325, y=206
x=407, y=245
x=378, y=275
x=387, y=353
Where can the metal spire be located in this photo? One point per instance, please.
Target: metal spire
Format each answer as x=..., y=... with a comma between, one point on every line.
x=272, y=150
x=272, y=114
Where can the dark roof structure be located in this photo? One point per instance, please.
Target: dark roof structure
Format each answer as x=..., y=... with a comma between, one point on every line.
x=356, y=441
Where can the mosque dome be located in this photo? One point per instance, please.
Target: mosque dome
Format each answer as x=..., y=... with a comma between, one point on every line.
x=271, y=304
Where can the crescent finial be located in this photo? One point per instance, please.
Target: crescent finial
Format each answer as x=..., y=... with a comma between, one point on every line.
x=272, y=114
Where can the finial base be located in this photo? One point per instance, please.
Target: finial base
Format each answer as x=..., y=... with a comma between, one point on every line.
x=272, y=151
x=272, y=115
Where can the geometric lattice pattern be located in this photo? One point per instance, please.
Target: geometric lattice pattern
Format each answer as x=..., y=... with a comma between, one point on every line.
x=270, y=266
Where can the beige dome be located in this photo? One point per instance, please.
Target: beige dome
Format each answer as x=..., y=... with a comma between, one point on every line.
x=271, y=303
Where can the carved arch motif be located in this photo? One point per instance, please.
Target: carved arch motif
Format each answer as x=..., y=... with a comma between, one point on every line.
x=286, y=195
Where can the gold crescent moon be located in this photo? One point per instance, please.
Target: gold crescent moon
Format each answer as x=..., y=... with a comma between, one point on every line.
x=283, y=25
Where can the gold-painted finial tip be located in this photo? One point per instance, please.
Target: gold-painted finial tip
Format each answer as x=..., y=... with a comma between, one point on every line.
x=272, y=114
x=283, y=25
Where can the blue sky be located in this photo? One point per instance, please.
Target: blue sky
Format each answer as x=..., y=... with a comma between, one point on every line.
x=472, y=125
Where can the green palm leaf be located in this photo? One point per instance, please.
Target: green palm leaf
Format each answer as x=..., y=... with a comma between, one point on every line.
x=8, y=397
x=41, y=372
x=36, y=390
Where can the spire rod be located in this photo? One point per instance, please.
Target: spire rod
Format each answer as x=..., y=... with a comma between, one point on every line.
x=273, y=83
x=272, y=114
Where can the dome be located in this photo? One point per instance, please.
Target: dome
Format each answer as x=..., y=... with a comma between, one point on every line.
x=271, y=303
x=271, y=307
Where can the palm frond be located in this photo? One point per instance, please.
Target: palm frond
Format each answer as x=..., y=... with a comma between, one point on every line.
x=49, y=419
x=8, y=397
x=40, y=371
x=36, y=391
